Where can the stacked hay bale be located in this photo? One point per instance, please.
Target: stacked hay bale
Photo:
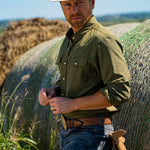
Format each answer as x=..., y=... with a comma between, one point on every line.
x=39, y=63
x=22, y=36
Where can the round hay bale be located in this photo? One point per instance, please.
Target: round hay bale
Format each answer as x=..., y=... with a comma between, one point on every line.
x=135, y=114
x=39, y=64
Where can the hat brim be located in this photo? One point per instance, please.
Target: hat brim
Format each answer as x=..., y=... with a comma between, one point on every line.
x=58, y=0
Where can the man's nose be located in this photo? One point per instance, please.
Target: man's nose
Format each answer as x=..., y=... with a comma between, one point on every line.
x=75, y=8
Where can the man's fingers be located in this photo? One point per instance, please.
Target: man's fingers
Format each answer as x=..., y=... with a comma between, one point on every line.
x=52, y=105
x=55, y=112
x=44, y=93
x=49, y=96
x=52, y=100
x=43, y=90
x=52, y=108
x=43, y=99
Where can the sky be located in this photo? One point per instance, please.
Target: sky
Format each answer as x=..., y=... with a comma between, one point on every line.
x=16, y=9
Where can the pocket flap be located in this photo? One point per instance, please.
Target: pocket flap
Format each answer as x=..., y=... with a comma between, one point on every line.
x=80, y=61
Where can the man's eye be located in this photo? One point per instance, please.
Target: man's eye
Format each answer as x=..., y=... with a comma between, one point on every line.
x=67, y=5
x=79, y=3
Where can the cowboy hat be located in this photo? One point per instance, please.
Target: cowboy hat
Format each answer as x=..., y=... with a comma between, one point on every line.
x=58, y=0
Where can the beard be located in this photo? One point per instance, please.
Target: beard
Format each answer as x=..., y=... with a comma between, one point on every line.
x=79, y=23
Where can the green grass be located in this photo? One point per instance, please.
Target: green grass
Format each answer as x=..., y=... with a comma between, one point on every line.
x=10, y=136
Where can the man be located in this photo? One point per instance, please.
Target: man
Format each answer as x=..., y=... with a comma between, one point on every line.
x=94, y=80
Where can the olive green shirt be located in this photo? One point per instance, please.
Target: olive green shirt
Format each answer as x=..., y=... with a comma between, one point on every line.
x=92, y=60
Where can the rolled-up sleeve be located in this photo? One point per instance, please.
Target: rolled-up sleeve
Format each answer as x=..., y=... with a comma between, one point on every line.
x=114, y=72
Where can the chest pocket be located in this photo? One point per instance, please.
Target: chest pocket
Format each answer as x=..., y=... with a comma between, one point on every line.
x=78, y=61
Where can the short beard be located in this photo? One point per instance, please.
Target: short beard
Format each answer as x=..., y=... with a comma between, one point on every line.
x=77, y=24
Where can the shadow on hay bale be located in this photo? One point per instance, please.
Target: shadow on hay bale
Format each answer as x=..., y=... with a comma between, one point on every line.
x=39, y=63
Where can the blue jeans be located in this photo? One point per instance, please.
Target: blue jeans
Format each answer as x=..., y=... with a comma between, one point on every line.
x=87, y=138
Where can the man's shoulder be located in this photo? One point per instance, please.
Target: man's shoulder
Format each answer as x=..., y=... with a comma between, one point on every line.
x=100, y=34
x=99, y=31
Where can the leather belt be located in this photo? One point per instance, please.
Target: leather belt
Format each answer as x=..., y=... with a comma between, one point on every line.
x=71, y=123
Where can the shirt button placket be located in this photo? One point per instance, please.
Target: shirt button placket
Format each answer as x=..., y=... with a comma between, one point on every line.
x=76, y=63
x=65, y=72
x=64, y=76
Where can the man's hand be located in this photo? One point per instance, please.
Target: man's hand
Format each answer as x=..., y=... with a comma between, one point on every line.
x=61, y=105
x=45, y=95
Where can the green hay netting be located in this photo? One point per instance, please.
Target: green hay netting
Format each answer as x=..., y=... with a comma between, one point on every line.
x=135, y=114
x=39, y=63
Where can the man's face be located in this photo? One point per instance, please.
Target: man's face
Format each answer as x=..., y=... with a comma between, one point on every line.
x=77, y=12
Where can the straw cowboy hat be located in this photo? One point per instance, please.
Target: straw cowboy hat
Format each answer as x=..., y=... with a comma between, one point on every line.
x=58, y=0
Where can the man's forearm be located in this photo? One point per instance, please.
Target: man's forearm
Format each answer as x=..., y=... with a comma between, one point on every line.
x=92, y=102
x=66, y=105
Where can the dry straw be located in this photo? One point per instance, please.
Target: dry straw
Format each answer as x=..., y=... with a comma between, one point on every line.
x=22, y=36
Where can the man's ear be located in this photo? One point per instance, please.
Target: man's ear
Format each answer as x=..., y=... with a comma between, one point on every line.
x=92, y=4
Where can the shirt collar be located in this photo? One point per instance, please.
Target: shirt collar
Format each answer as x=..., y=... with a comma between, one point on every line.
x=73, y=37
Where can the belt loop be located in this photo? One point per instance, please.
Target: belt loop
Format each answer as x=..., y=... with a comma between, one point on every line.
x=64, y=122
x=100, y=121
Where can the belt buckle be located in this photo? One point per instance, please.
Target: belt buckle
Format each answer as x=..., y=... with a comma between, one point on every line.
x=64, y=122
